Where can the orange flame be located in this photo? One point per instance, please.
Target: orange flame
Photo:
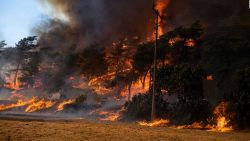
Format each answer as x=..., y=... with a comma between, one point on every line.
x=19, y=103
x=39, y=105
x=12, y=82
x=160, y=122
x=109, y=115
x=220, y=113
x=222, y=123
x=138, y=87
x=61, y=106
x=161, y=5
x=190, y=43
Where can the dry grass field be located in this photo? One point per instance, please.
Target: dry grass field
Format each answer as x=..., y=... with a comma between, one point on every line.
x=35, y=130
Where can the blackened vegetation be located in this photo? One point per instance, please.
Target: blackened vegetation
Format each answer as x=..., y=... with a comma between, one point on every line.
x=239, y=99
x=140, y=107
x=223, y=54
x=179, y=74
x=77, y=105
x=90, y=61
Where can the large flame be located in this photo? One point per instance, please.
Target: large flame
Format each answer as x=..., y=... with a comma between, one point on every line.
x=221, y=115
x=19, y=103
x=39, y=105
x=221, y=118
x=161, y=5
x=138, y=87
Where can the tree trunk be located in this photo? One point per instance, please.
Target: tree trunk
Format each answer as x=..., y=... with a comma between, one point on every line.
x=16, y=73
x=129, y=92
x=144, y=79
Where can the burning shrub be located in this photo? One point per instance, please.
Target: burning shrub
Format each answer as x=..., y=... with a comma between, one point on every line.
x=140, y=106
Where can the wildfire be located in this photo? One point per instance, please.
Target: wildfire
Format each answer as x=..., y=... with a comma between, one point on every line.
x=138, y=87
x=160, y=122
x=161, y=5
x=62, y=105
x=220, y=113
x=19, y=103
x=221, y=118
x=12, y=82
x=97, y=83
x=39, y=105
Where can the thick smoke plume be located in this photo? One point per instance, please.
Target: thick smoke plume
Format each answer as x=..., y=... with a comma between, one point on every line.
x=104, y=21
x=210, y=12
x=97, y=21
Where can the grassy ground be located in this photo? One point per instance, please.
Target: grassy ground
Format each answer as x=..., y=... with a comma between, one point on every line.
x=30, y=130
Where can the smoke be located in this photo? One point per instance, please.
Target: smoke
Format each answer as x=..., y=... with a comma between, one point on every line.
x=96, y=21
x=78, y=24
x=82, y=23
x=210, y=12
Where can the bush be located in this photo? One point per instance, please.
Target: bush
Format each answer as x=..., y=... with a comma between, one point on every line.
x=189, y=110
x=81, y=99
x=140, y=106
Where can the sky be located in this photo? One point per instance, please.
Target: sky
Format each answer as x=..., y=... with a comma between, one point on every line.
x=17, y=18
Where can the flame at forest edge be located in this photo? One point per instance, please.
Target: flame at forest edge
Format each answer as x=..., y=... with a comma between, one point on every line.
x=220, y=115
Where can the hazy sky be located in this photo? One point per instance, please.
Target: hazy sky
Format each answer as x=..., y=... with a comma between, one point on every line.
x=17, y=17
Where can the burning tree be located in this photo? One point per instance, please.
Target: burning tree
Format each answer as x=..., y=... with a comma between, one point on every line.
x=28, y=60
x=91, y=62
x=181, y=75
